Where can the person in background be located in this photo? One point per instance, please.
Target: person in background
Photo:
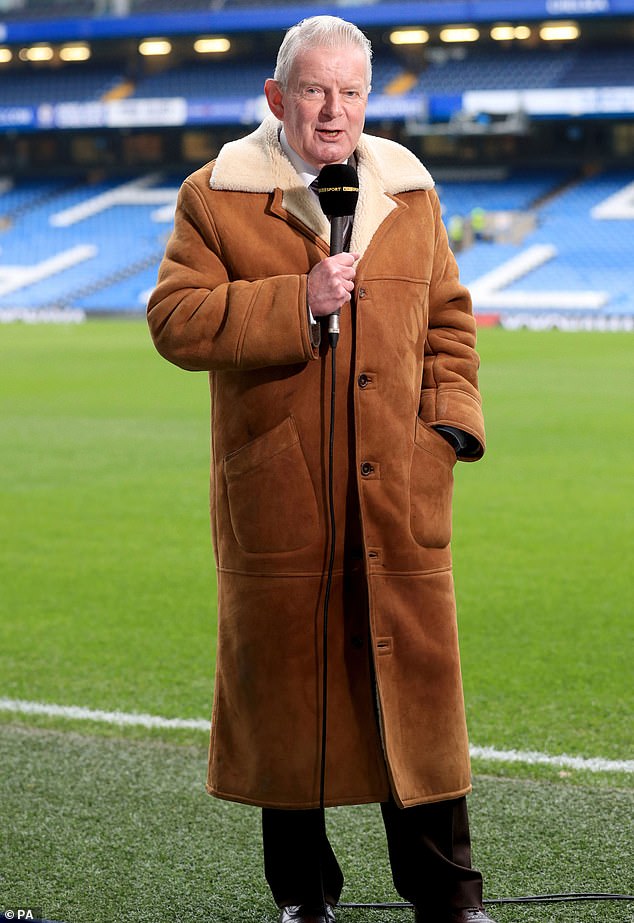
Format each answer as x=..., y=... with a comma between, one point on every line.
x=455, y=230
x=243, y=290
x=478, y=223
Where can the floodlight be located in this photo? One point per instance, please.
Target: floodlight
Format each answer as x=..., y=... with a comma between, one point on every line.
x=155, y=46
x=36, y=53
x=75, y=52
x=559, y=31
x=505, y=32
x=210, y=45
x=459, y=34
x=409, y=37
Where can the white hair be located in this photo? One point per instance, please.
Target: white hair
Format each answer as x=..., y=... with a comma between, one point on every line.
x=320, y=31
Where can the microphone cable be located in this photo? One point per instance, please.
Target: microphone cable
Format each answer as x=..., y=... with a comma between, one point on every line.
x=333, y=338
x=527, y=899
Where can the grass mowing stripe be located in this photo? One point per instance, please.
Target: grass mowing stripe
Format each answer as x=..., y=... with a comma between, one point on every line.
x=135, y=719
x=98, y=829
x=107, y=577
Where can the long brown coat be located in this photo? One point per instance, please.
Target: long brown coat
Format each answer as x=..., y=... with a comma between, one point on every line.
x=231, y=299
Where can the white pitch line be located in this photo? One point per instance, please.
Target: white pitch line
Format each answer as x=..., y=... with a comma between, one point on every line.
x=563, y=761
x=137, y=719
x=78, y=713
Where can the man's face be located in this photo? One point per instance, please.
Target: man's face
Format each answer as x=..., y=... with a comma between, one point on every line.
x=323, y=107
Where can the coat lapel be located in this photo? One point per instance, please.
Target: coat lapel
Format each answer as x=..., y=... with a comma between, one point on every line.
x=258, y=164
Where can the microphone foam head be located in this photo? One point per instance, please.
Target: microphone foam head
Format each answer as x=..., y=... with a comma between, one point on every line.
x=338, y=189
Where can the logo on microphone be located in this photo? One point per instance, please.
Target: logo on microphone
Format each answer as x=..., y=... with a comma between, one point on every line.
x=338, y=189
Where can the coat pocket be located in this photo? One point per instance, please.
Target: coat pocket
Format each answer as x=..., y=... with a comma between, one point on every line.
x=272, y=501
x=431, y=487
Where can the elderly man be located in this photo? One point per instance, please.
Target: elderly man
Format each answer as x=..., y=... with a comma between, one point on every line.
x=243, y=289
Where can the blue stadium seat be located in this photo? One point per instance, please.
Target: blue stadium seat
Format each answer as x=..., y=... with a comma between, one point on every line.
x=126, y=239
x=592, y=254
x=31, y=88
x=204, y=80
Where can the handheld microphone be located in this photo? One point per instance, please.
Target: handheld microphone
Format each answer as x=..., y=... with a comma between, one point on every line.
x=338, y=191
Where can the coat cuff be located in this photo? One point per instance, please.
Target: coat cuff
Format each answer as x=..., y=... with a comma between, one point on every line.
x=314, y=327
x=454, y=407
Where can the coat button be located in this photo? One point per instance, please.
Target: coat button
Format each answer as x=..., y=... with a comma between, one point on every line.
x=366, y=469
x=362, y=293
x=363, y=380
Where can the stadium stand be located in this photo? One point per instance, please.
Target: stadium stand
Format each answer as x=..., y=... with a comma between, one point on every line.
x=24, y=88
x=600, y=67
x=579, y=261
x=498, y=70
x=81, y=241
x=205, y=80
x=538, y=239
x=16, y=199
x=517, y=191
x=99, y=246
x=477, y=70
x=593, y=254
x=221, y=80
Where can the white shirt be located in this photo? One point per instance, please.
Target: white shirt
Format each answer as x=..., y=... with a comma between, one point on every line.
x=307, y=173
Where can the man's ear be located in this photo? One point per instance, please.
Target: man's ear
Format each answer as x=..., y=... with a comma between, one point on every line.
x=273, y=95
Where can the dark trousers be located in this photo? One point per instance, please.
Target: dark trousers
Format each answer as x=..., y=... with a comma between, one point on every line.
x=429, y=848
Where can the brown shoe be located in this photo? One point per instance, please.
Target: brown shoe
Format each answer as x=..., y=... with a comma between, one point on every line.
x=307, y=913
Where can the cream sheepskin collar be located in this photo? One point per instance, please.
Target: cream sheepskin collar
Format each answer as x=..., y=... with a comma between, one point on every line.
x=257, y=163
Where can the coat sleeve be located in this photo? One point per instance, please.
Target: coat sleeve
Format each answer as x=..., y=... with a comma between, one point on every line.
x=201, y=320
x=449, y=393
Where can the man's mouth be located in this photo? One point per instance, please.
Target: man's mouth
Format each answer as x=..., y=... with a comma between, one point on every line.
x=329, y=132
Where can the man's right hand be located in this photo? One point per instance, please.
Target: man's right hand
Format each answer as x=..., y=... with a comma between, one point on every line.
x=331, y=282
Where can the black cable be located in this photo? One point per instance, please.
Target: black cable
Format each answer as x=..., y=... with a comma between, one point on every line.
x=528, y=899
x=559, y=898
x=331, y=565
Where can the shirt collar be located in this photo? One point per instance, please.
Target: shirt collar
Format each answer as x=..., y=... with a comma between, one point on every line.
x=305, y=170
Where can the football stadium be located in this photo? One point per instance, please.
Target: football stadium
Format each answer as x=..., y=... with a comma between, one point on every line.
x=523, y=113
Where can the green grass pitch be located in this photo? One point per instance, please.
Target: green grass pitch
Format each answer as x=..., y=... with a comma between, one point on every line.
x=107, y=601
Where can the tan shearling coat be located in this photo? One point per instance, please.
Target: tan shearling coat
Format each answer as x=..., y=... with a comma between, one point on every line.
x=231, y=300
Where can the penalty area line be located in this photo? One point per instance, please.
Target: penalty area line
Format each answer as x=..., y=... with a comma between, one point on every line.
x=137, y=719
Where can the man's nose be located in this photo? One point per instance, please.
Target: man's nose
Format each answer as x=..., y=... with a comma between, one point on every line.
x=332, y=105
